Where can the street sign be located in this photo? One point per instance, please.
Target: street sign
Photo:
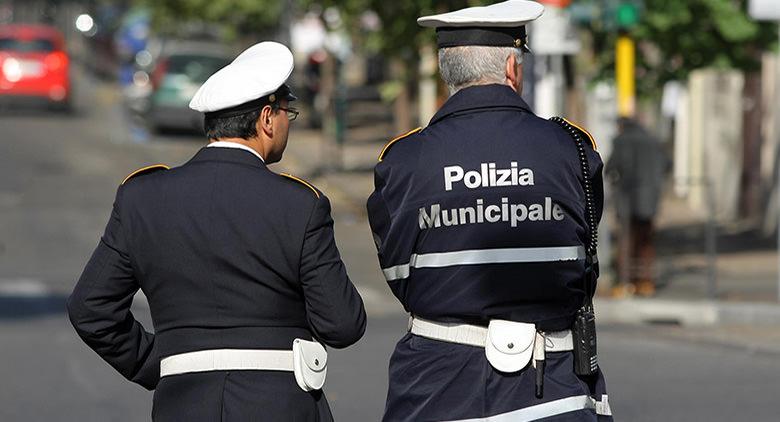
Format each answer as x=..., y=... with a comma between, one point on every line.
x=765, y=10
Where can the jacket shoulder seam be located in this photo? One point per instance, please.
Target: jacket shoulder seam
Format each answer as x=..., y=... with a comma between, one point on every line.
x=394, y=140
x=303, y=182
x=145, y=170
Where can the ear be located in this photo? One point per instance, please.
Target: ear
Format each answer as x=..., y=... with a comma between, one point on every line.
x=514, y=73
x=511, y=70
x=265, y=123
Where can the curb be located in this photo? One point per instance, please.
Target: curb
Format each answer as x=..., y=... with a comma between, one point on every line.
x=749, y=313
x=685, y=313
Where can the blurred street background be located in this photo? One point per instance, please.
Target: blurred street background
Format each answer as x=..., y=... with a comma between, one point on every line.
x=689, y=300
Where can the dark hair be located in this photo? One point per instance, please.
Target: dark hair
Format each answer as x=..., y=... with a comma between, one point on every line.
x=242, y=126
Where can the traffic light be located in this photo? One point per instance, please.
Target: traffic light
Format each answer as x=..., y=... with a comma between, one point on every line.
x=626, y=18
x=627, y=15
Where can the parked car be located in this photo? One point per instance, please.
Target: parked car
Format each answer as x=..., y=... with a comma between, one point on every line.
x=34, y=64
x=179, y=71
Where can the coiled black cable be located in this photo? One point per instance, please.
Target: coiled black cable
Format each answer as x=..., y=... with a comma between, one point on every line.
x=591, y=248
x=587, y=186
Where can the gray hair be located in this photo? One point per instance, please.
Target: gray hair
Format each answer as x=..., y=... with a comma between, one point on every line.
x=466, y=66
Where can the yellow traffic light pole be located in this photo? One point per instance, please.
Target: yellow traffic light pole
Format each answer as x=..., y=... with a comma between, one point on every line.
x=625, y=61
x=625, y=73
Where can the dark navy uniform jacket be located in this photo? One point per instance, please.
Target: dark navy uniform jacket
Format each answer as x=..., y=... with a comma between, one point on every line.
x=480, y=216
x=445, y=259
x=229, y=255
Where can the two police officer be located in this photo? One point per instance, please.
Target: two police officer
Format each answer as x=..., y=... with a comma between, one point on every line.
x=484, y=223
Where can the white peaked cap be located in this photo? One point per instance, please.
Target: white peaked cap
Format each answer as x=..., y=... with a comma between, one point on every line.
x=256, y=74
x=507, y=14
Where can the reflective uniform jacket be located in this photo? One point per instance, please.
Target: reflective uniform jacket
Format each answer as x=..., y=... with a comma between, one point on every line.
x=480, y=216
x=229, y=255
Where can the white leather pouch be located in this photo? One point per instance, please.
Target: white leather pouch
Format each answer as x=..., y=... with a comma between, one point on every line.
x=310, y=364
x=509, y=345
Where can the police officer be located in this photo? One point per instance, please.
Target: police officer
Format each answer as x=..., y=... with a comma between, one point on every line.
x=482, y=223
x=238, y=263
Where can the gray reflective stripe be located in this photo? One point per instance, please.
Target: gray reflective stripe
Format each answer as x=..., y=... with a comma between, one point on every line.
x=541, y=411
x=485, y=256
x=499, y=256
x=396, y=273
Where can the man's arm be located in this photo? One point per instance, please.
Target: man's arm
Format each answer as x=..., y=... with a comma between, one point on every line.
x=333, y=306
x=99, y=308
x=597, y=179
x=394, y=224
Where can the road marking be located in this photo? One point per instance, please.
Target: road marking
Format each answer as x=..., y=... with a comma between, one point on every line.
x=140, y=301
x=379, y=303
x=24, y=287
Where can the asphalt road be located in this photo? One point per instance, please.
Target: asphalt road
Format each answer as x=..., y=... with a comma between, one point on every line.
x=58, y=175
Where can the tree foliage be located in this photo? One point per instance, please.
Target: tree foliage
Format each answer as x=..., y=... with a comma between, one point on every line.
x=676, y=37
x=237, y=17
x=400, y=36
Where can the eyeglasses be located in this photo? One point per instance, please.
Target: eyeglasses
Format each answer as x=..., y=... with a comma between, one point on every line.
x=292, y=113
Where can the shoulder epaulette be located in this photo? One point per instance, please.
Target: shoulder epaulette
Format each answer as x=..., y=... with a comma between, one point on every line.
x=390, y=144
x=563, y=121
x=303, y=182
x=146, y=170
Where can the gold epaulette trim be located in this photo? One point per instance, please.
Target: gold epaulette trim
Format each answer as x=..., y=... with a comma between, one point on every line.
x=145, y=170
x=592, y=141
x=389, y=144
x=299, y=180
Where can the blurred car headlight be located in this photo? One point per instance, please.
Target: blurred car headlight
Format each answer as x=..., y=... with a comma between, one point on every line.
x=12, y=70
x=85, y=23
x=141, y=78
x=144, y=58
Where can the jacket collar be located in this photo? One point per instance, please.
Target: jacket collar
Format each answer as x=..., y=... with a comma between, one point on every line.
x=230, y=155
x=236, y=145
x=481, y=97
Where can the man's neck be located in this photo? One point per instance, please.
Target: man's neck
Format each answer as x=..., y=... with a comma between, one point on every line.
x=253, y=143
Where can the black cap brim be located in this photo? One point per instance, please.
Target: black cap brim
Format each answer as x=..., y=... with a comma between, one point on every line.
x=283, y=92
x=483, y=36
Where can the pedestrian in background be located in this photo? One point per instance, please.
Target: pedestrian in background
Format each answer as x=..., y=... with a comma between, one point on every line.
x=636, y=168
x=482, y=223
x=238, y=263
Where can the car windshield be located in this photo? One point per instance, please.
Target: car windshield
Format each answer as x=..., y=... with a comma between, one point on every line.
x=196, y=68
x=26, y=46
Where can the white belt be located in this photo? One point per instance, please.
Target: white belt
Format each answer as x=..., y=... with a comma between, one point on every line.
x=227, y=360
x=475, y=335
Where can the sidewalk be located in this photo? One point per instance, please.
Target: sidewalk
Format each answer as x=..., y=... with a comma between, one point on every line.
x=744, y=314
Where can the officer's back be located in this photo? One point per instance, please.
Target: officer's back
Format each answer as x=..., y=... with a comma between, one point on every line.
x=488, y=174
x=481, y=222
x=239, y=265
x=219, y=243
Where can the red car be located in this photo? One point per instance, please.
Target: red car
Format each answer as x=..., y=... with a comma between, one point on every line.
x=33, y=63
